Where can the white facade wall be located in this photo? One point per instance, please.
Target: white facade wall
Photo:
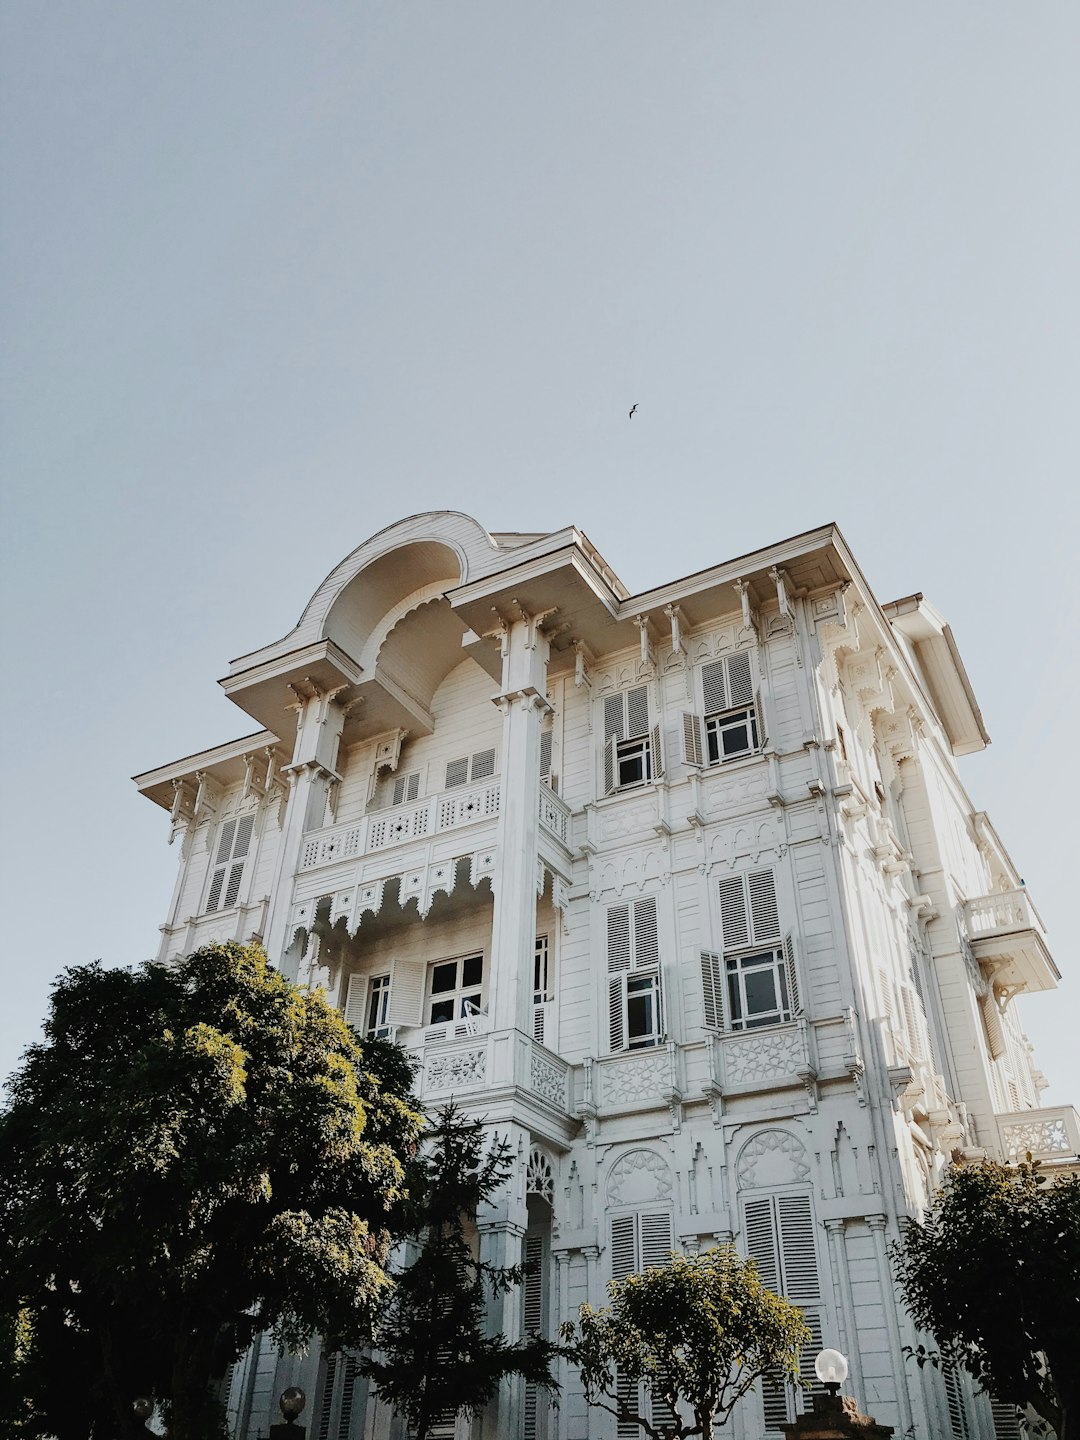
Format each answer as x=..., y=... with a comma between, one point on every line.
x=835, y=1120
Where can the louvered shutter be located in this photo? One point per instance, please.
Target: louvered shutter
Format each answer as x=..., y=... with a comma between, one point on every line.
x=995, y=1035
x=733, y=916
x=532, y=1324
x=623, y=1246
x=714, y=687
x=637, y=712
x=888, y=1000
x=618, y=938
x=355, y=995
x=807, y=1355
x=545, y=756
x=224, y=850
x=761, y=1244
x=457, y=773
x=617, y=1012
x=740, y=680
x=764, y=917
x=691, y=738
x=483, y=764
x=407, y=984
x=348, y=1386
x=798, y=1258
x=406, y=788
x=712, y=989
x=1006, y=1421
x=792, y=975
x=325, y=1407
x=611, y=764
x=657, y=754
x=954, y=1400
x=614, y=718
x=656, y=1239
x=538, y=1026
x=646, y=941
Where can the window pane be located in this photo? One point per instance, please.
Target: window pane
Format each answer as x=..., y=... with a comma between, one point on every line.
x=760, y=986
x=441, y=1010
x=444, y=977
x=736, y=740
x=641, y=1026
x=473, y=1001
x=472, y=970
x=734, y=999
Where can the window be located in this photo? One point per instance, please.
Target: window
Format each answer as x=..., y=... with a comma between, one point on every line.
x=632, y=754
x=470, y=769
x=400, y=789
x=546, y=776
x=543, y=991
x=333, y=1415
x=779, y=1232
x=754, y=982
x=376, y=1026
x=233, y=845
x=455, y=990
x=635, y=999
x=731, y=713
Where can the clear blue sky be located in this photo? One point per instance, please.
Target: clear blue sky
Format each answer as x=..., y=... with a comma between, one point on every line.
x=275, y=274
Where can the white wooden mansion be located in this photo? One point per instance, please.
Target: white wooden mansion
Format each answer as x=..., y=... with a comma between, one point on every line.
x=681, y=891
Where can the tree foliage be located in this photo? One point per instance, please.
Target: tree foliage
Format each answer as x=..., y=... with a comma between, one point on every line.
x=435, y=1353
x=698, y=1332
x=993, y=1273
x=194, y=1153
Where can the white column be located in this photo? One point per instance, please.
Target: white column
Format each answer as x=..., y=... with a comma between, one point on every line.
x=523, y=703
x=319, y=723
x=887, y=1285
x=848, y=1340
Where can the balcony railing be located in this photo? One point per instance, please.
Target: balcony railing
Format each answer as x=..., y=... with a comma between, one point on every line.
x=448, y=810
x=554, y=815
x=1002, y=914
x=1050, y=1134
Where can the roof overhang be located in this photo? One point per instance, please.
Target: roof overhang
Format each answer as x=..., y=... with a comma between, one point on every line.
x=227, y=764
x=947, y=681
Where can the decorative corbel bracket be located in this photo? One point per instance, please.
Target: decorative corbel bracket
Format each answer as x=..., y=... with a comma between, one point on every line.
x=749, y=614
x=809, y=1077
x=674, y=614
x=647, y=655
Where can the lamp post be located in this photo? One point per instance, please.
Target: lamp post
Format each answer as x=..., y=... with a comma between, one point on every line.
x=143, y=1407
x=291, y=1404
x=834, y=1416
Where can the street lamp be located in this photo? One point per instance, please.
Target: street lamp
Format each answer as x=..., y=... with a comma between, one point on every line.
x=292, y=1402
x=831, y=1368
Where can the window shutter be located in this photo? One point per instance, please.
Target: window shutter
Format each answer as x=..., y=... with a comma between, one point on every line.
x=646, y=941
x=691, y=738
x=611, y=769
x=539, y=1016
x=623, y=1248
x=355, y=995
x=761, y=1242
x=399, y=790
x=809, y=1353
x=995, y=1036
x=954, y=1399
x=457, y=773
x=483, y=764
x=764, y=917
x=348, y=1385
x=232, y=890
x=533, y=1317
x=224, y=849
x=712, y=989
x=888, y=1000
x=545, y=756
x=798, y=1259
x=657, y=754
x=792, y=975
x=617, y=1012
x=656, y=1240
x=618, y=937
x=637, y=712
x=613, y=719
x=214, y=898
x=407, y=983
x=740, y=680
x=714, y=687
x=326, y=1400
x=1006, y=1421
x=733, y=913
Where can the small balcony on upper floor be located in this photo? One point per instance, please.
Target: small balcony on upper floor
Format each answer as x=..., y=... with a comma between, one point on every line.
x=1006, y=934
x=1051, y=1135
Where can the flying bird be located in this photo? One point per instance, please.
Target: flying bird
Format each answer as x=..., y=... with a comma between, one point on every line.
x=632, y=409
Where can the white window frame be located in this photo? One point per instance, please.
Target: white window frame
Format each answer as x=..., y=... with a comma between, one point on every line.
x=632, y=753
x=377, y=1008
x=727, y=722
x=543, y=989
x=468, y=999
x=634, y=973
x=729, y=704
x=753, y=964
x=752, y=945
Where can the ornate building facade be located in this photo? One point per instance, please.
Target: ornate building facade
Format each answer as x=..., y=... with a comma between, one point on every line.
x=680, y=891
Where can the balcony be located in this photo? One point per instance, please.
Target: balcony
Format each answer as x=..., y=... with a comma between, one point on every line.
x=1048, y=1135
x=554, y=815
x=1006, y=933
x=448, y=810
x=481, y=1061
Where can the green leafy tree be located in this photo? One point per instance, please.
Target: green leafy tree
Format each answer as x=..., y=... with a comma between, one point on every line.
x=993, y=1273
x=435, y=1354
x=698, y=1332
x=193, y=1154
